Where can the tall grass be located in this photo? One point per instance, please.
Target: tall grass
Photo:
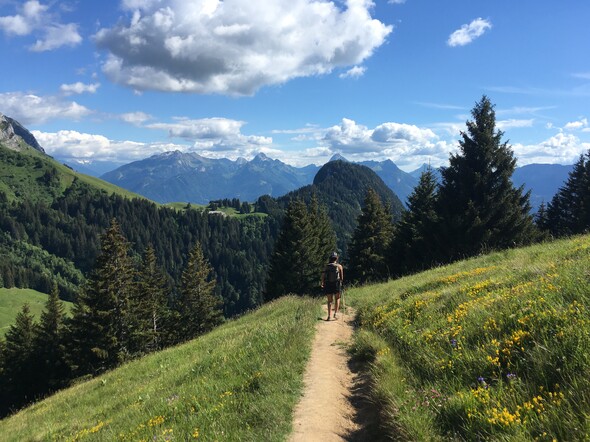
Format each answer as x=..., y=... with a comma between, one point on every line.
x=237, y=383
x=493, y=348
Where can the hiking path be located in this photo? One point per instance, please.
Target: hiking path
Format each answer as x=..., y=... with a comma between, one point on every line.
x=333, y=407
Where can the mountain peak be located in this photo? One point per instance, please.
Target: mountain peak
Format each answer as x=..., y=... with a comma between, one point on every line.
x=14, y=135
x=338, y=157
x=261, y=157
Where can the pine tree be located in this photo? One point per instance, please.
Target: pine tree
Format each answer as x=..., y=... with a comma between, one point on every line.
x=301, y=250
x=415, y=242
x=370, y=241
x=199, y=306
x=150, y=303
x=19, y=384
x=479, y=206
x=102, y=321
x=50, y=346
x=324, y=244
x=569, y=211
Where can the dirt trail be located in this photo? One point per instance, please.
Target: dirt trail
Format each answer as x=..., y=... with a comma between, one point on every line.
x=331, y=408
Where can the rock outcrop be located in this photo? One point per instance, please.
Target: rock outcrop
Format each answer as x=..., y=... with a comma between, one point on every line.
x=15, y=136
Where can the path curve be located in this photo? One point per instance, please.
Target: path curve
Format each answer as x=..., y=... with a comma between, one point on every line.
x=327, y=412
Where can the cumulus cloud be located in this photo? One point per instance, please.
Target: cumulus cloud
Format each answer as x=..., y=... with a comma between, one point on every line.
x=33, y=109
x=469, y=32
x=73, y=145
x=35, y=18
x=235, y=47
x=79, y=88
x=213, y=134
x=562, y=148
x=575, y=125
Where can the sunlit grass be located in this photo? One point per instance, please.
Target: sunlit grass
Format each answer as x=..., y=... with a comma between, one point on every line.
x=238, y=383
x=493, y=348
x=12, y=301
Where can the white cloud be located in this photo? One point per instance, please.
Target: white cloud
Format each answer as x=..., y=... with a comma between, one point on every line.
x=354, y=72
x=469, y=32
x=213, y=134
x=561, y=149
x=513, y=123
x=575, y=125
x=136, y=118
x=33, y=109
x=396, y=2
x=235, y=47
x=57, y=36
x=34, y=18
x=79, y=88
x=69, y=144
x=387, y=140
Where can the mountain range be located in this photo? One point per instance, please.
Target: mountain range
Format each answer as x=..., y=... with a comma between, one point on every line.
x=189, y=177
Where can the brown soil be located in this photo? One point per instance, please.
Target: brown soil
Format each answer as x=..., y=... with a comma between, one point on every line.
x=333, y=406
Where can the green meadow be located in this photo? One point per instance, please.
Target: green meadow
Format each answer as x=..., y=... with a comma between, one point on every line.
x=492, y=348
x=237, y=383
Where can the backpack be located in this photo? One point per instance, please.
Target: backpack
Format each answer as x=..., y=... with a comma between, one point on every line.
x=332, y=273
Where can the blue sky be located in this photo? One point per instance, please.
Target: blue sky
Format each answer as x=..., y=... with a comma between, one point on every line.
x=300, y=80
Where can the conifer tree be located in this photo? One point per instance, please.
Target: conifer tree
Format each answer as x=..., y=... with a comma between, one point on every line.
x=370, y=241
x=325, y=243
x=569, y=211
x=150, y=303
x=415, y=244
x=50, y=346
x=199, y=306
x=301, y=250
x=19, y=384
x=102, y=320
x=479, y=206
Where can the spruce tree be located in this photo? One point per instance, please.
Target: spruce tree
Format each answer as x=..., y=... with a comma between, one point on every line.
x=569, y=211
x=370, y=241
x=102, y=320
x=50, y=345
x=150, y=303
x=19, y=377
x=415, y=242
x=199, y=306
x=301, y=250
x=324, y=244
x=480, y=207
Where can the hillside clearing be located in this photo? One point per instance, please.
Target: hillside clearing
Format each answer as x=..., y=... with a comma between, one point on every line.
x=12, y=301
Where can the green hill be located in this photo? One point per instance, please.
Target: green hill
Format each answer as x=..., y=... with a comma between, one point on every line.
x=35, y=176
x=493, y=348
x=342, y=186
x=12, y=300
x=237, y=383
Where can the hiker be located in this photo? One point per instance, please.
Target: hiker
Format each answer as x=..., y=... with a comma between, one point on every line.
x=332, y=278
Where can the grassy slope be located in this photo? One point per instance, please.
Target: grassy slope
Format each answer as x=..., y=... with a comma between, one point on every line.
x=237, y=383
x=12, y=300
x=493, y=348
x=21, y=179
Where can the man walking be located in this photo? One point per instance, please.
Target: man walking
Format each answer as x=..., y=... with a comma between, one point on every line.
x=332, y=278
